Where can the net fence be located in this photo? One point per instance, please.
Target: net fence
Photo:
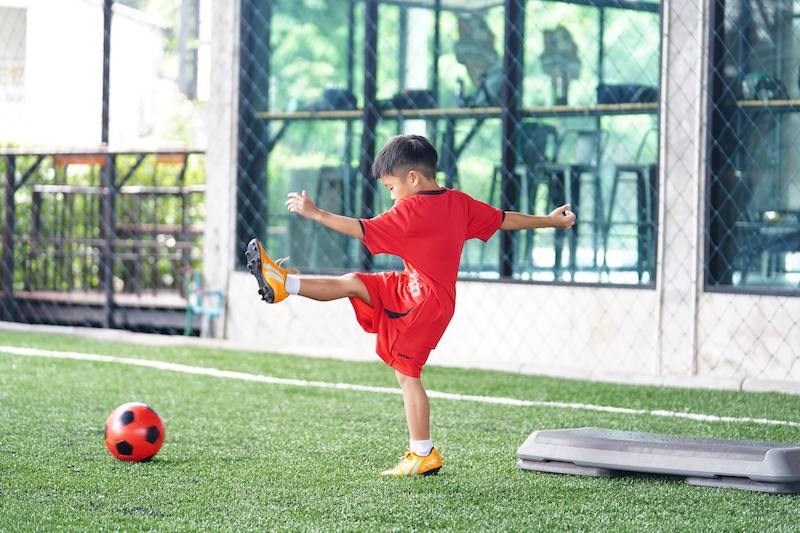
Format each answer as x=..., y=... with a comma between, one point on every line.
x=671, y=128
x=103, y=202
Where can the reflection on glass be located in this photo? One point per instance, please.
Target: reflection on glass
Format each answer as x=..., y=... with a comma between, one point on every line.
x=753, y=229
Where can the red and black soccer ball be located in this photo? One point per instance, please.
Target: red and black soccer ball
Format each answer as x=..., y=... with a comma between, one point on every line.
x=134, y=432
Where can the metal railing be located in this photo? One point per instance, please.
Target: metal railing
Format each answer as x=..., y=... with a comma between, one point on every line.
x=100, y=237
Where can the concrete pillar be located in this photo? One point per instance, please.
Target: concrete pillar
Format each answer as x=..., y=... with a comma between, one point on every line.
x=221, y=155
x=420, y=31
x=417, y=73
x=681, y=184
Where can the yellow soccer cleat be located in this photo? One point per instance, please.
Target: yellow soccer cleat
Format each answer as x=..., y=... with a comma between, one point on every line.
x=416, y=465
x=271, y=276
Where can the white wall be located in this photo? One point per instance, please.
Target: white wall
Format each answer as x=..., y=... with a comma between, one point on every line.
x=12, y=65
x=612, y=334
x=139, y=96
x=62, y=95
x=573, y=331
x=749, y=339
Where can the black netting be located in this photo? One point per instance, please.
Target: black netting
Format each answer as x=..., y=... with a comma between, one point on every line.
x=530, y=105
x=672, y=130
x=103, y=205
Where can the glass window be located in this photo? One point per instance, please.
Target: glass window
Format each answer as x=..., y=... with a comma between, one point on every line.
x=753, y=217
x=590, y=137
x=587, y=131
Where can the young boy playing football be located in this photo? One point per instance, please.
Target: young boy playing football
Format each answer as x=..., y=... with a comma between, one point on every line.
x=410, y=310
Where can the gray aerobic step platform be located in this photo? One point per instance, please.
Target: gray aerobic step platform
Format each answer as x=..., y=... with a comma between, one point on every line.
x=758, y=466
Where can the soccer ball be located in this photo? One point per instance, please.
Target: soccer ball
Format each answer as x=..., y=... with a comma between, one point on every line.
x=134, y=432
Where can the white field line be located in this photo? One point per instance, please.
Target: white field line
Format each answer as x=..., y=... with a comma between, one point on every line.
x=244, y=376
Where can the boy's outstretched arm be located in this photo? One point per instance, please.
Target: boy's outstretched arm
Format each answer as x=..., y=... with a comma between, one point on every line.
x=561, y=217
x=300, y=203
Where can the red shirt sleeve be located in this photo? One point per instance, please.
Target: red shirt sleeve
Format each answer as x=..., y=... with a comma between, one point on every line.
x=483, y=220
x=386, y=233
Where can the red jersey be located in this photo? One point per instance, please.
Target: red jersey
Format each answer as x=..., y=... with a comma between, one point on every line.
x=411, y=309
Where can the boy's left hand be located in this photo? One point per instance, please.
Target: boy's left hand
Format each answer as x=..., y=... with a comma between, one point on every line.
x=563, y=217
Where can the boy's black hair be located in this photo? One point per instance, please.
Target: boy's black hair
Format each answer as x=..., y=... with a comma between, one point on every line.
x=404, y=153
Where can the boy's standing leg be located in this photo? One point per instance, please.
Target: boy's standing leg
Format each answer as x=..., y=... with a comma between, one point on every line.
x=422, y=458
x=276, y=284
x=417, y=410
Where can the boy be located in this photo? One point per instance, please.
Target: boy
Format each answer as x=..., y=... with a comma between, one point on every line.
x=409, y=310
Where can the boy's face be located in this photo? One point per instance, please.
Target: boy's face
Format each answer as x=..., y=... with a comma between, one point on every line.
x=405, y=185
x=399, y=186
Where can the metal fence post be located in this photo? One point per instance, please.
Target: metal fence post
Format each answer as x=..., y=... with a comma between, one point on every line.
x=108, y=11
x=349, y=185
x=370, y=117
x=8, y=240
x=186, y=260
x=510, y=103
x=107, y=233
x=254, y=74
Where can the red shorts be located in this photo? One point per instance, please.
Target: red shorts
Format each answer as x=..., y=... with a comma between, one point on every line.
x=406, y=319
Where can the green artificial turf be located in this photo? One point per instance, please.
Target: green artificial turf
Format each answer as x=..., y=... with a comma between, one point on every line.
x=253, y=456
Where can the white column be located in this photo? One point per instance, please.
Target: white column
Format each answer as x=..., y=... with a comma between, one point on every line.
x=420, y=29
x=681, y=183
x=221, y=156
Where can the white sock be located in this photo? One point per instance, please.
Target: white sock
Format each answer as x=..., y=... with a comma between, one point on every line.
x=292, y=284
x=421, y=447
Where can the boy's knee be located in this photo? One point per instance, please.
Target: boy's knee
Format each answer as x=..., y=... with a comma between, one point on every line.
x=404, y=380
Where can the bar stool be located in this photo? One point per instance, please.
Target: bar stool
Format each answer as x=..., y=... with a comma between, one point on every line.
x=537, y=144
x=644, y=177
x=546, y=162
x=565, y=177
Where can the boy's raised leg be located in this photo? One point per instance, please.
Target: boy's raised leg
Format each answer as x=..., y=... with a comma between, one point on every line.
x=269, y=274
x=326, y=289
x=275, y=283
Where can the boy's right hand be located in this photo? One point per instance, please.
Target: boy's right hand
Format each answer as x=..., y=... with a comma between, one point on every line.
x=303, y=205
x=562, y=217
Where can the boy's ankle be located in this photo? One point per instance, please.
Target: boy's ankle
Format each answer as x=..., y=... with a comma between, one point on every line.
x=292, y=284
x=421, y=447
